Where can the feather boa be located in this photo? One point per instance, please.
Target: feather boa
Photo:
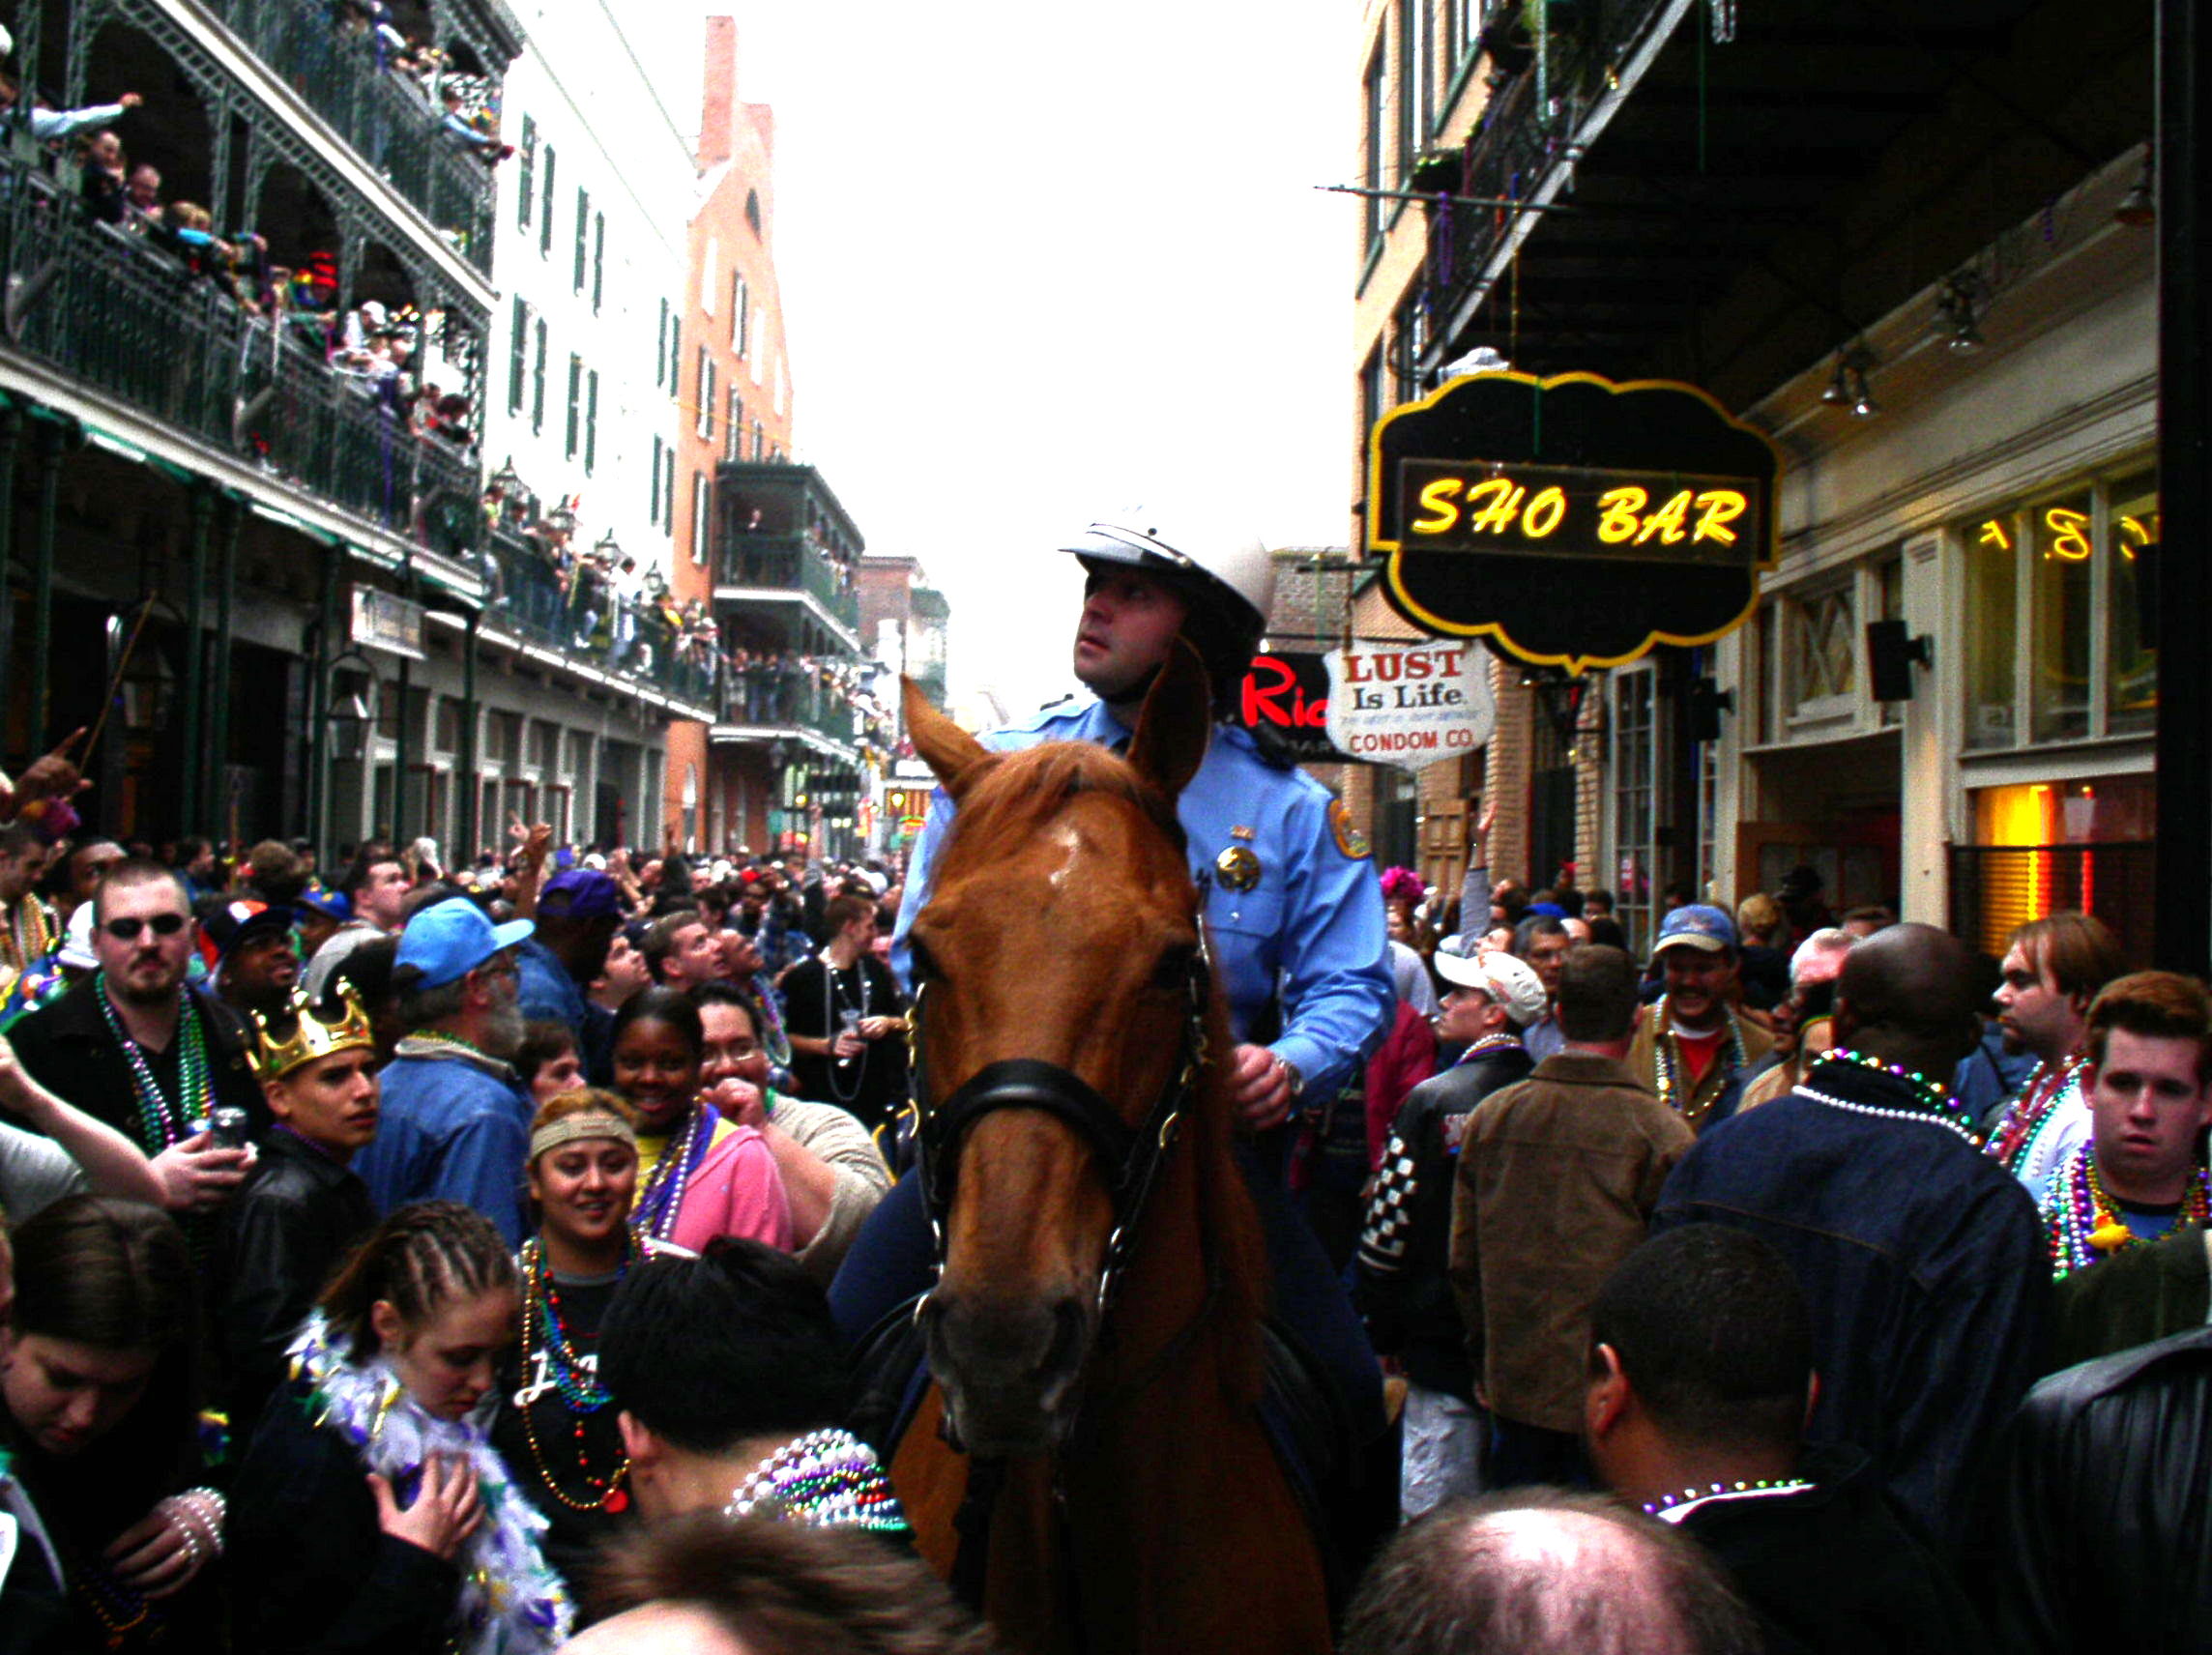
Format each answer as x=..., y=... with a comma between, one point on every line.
x=511, y=1603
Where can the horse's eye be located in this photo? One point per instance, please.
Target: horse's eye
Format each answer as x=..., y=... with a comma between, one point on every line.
x=1173, y=972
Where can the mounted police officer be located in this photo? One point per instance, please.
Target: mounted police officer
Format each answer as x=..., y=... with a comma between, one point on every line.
x=1293, y=905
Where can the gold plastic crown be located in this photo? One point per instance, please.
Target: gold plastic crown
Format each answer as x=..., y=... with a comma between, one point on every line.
x=311, y=1037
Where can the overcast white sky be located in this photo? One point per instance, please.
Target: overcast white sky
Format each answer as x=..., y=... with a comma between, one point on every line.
x=1040, y=261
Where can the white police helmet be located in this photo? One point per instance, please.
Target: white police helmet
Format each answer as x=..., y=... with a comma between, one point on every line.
x=1236, y=562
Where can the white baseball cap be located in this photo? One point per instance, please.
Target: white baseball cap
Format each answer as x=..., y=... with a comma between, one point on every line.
x=1509, y=981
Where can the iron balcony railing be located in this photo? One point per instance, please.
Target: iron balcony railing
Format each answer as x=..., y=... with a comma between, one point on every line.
x=768, y=693
x=788, y=562
x=118, y=315
x=387, y=118
x=1533, y=122
x=578, y=615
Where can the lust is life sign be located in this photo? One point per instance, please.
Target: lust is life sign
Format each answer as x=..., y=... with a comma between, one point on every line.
x=1575, y=521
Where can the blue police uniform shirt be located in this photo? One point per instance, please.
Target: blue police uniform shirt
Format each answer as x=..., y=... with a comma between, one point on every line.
x=1311, y=927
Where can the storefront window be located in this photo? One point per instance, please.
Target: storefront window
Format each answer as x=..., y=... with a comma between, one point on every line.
x=2131, y=640
x=2060, y=573
x=2057, y=647
x=1824, y=654
x=1992, y=625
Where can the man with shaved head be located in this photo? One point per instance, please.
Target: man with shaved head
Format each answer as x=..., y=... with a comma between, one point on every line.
x=1919, y=1257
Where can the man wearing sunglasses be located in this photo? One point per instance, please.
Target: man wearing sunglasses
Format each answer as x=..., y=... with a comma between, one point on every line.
x=135, y=1046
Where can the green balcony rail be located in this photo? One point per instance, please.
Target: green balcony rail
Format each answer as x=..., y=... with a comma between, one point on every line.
x=579, y=616
x=771, y=693
x=117, y=314
x=388, y=119
x=789, y=562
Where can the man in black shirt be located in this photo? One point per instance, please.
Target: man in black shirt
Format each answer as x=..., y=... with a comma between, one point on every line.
x=135, y=1046
x=1702, y=1377
x=847, y=1020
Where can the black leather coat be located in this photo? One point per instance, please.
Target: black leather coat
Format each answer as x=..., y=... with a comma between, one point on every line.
x=2099, y=1533
x=296, y=1218
x=1401, y=1284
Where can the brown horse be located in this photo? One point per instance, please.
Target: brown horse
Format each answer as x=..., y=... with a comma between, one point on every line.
x=1094, y=1335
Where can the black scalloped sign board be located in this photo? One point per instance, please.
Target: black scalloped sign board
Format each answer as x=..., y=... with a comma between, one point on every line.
x=1574, y=521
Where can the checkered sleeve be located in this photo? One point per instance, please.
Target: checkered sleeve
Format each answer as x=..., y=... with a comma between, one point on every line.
x=1389, y=1209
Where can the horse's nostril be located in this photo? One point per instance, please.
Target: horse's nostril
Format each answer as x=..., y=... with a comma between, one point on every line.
x=1064, y=1354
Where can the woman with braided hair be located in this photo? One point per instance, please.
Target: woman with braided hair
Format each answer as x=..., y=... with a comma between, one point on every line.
x=373, y=1512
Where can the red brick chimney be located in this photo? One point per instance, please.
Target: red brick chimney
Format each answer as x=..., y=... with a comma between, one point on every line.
x=718, y=101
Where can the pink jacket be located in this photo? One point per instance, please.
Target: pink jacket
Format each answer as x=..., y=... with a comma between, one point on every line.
x=735, y=1190
x=1407, y=1057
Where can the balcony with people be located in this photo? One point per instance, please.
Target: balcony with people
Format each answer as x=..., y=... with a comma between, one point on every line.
x=782, y=540
x=548, y=585
x=182, y=254
x=414, y=89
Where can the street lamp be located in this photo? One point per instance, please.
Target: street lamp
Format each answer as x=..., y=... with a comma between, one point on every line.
x=506, y=479
x=561, y=520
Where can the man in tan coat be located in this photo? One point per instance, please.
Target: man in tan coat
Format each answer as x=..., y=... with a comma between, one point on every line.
x=1692, y=1049
x=1558, y=1176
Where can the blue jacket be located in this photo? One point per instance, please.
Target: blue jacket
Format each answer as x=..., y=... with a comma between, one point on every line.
x=1309, y=934
x=451, y=1129
x=1923, y=1269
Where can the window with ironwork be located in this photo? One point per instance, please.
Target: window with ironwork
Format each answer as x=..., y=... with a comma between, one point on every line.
x=741, y=315
x=1635, y=737
x=1820, y=655
x=1371, y=204
x=704, y=421
x=519, y=356
x=2059, y=642
x=575, y=429
x=660, y=348
x=734, y=429
x=526, y=178
x=590, y=421
x=545, y=216
x=583, y=260
x=537, y=380
x=700, y=496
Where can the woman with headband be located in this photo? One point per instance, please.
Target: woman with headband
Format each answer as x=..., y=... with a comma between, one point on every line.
x=555, y=1426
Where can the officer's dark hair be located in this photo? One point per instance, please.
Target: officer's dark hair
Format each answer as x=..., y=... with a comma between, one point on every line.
x=709, y=1351
x=1534, y=926
x=1710, y=1326
x=1597, y=994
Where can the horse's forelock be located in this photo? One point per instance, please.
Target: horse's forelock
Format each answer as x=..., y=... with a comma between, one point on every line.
x=1025, y=789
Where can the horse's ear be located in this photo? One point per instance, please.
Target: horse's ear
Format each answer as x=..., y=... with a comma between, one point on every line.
x=1176, y=723
x=950, y=752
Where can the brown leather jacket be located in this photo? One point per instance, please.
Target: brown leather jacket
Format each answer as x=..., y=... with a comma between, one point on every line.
x=1558, y=1176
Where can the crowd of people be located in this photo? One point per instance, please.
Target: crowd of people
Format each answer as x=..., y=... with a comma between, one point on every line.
x=411, y=1258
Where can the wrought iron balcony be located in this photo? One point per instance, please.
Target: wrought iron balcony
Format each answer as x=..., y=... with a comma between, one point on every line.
x=787, y=563
x=771, y=696
x=581, y=618
x=387, y=118
x=118, y=315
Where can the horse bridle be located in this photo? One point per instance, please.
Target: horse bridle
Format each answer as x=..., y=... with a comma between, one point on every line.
x=1131, y=1157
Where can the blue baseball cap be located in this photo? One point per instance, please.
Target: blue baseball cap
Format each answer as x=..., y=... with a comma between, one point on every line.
x=330, y=904
x=451, y=938
x=1696, y=925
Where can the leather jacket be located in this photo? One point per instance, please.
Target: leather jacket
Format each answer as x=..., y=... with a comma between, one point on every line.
x=2098, y=1532
x=298, y=1215
x=1402, y=1286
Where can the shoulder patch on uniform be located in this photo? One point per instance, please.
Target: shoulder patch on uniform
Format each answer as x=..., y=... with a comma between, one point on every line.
x=1349, y=839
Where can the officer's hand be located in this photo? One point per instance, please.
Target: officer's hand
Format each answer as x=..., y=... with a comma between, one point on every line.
x=1261, y=1088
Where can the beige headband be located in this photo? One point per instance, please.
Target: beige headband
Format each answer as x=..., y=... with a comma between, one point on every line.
x=572, y=1128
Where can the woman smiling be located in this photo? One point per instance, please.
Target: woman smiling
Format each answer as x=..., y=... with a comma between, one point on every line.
x=704, y=1176
x=554, y=1424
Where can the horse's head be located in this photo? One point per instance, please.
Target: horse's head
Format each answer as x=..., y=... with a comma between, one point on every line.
x=1062, y=997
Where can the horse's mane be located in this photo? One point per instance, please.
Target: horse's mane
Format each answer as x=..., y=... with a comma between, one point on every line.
x=1016, y=793
x=1010, y=799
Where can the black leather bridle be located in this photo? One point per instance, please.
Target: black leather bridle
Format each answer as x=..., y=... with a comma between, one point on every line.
x=1131, y=1157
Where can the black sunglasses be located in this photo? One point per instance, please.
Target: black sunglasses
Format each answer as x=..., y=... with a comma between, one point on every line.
x=127, y=930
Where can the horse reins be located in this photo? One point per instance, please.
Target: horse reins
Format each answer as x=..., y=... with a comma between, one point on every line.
x=1131, y=1157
